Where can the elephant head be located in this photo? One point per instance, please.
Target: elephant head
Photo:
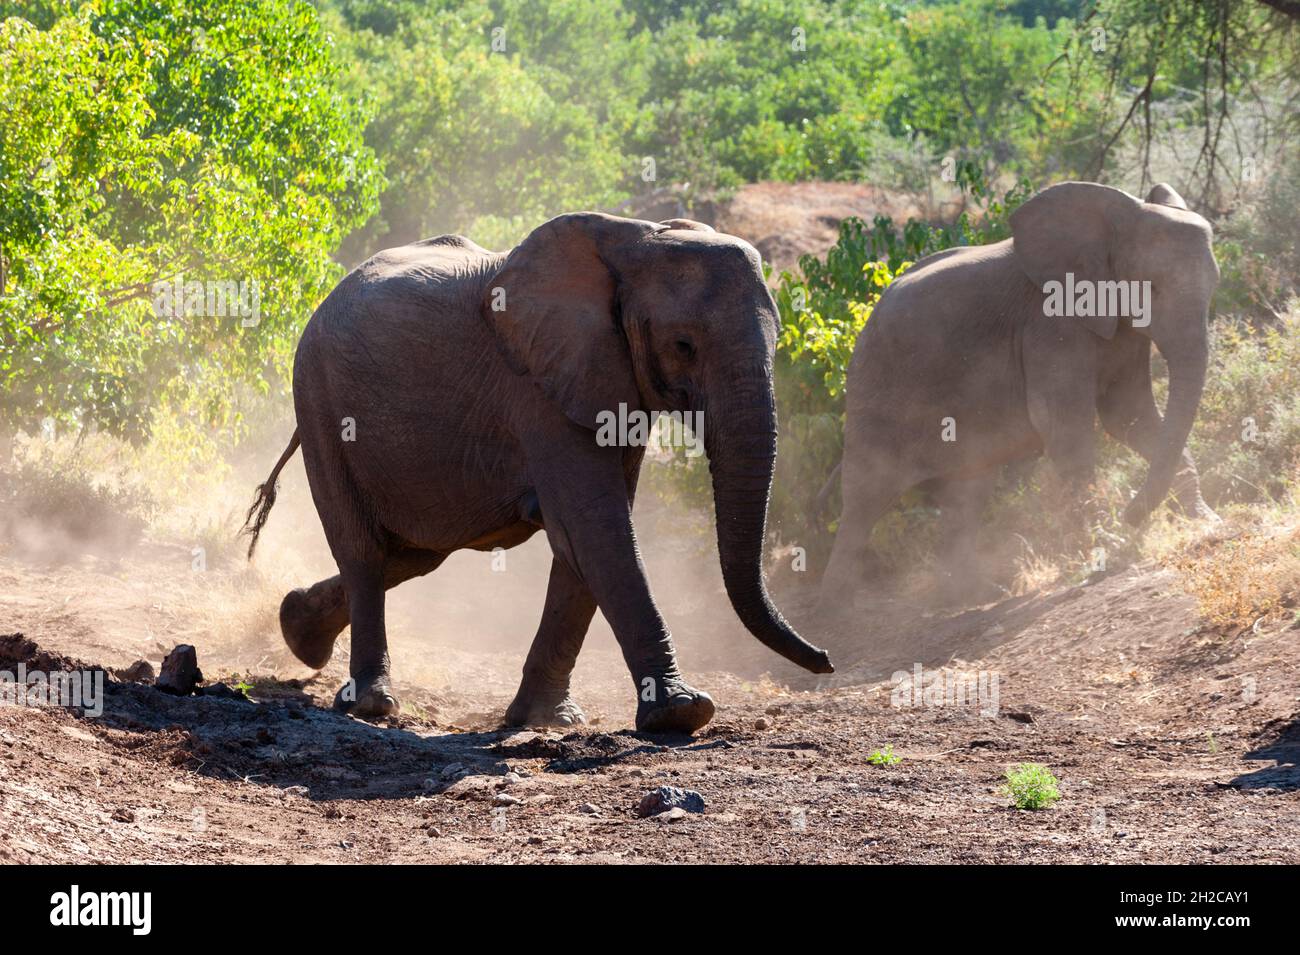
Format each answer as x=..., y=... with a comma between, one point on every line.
x=1102, y=235
x=600, y=311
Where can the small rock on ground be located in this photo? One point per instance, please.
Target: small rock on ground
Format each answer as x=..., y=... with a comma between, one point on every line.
x=669, y=797
x=180, y=671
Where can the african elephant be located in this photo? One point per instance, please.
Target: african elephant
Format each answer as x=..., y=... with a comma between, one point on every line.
x=448, y=397
x=979, y=356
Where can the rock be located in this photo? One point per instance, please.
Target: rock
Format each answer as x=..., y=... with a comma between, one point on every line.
x=141, y=671
x=180, y=671
x=222, y=691
x=452, y=771
x=761, y=723
x=672, y=815
x=669, y=797
x=591, y=809
x=505, y=799
x=123, y=815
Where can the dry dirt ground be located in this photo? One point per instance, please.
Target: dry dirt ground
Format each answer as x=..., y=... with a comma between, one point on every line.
x=1172, y=742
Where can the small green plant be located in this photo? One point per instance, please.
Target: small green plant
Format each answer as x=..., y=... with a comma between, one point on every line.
x=1031, y=786
x=240, y=685
x=884, y=757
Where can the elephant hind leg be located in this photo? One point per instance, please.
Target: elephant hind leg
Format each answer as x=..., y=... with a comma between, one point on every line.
x=870, y=489
x=543, y=698
x=961, y=504
x=311, y=618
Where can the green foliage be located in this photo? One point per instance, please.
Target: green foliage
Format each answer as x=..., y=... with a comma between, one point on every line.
x=482, y=140
x=759, y=89
x=975, y=82
x=1031, y=786
x=884, y=757
x=201, y=141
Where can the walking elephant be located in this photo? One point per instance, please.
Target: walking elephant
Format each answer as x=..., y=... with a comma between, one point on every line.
x=448, y=397
x=979, y=356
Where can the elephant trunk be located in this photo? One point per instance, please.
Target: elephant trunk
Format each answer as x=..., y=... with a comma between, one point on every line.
x=1187, y=367
x=740, y=436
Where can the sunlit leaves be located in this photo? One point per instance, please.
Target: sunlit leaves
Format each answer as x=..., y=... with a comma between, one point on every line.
x=145, y=141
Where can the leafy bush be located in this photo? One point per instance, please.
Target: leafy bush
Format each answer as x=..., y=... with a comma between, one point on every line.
x=884, y=756
x=1031, y=786
x=147, y=141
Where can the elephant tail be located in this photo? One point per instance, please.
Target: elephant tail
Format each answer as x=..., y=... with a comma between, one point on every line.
x=265, y=500
x=824, y=495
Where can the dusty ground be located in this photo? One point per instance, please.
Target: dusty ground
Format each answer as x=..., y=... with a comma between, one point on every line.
x=1173, y=742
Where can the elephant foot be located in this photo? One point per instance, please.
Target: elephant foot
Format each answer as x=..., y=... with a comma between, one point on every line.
x=682, y=709
x=309, y=637
x=533, y=710
x=1203, y=512
x=367, y=699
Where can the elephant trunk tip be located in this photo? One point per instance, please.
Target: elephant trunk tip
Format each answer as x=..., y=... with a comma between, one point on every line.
x=819, y=661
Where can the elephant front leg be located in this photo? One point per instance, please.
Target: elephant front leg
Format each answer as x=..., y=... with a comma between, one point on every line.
x=589, y=525
x=1128, y=413
x=1063, y=414
x=543, y=698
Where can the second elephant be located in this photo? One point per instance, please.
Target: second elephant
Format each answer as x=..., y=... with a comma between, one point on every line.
x=979, y=356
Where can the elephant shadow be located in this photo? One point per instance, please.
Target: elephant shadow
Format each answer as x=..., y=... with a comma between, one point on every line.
x=1283, y=750
x=304, y=750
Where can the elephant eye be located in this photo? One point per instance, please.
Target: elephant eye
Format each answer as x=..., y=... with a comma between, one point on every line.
x=684, y=348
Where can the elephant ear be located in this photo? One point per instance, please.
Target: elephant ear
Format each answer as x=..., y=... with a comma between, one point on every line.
x=1163, y=194
x=1075, y=228
x=553, y=307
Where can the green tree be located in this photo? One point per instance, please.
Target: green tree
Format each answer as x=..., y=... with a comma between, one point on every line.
x=146, y=142
x=490, y=117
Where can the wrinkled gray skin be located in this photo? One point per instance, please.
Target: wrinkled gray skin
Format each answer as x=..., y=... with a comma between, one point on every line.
x=476, y=427
x=963, y=334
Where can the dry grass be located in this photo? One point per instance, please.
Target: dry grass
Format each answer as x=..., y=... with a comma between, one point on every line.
x=1034, y=572
x=1239, y=580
